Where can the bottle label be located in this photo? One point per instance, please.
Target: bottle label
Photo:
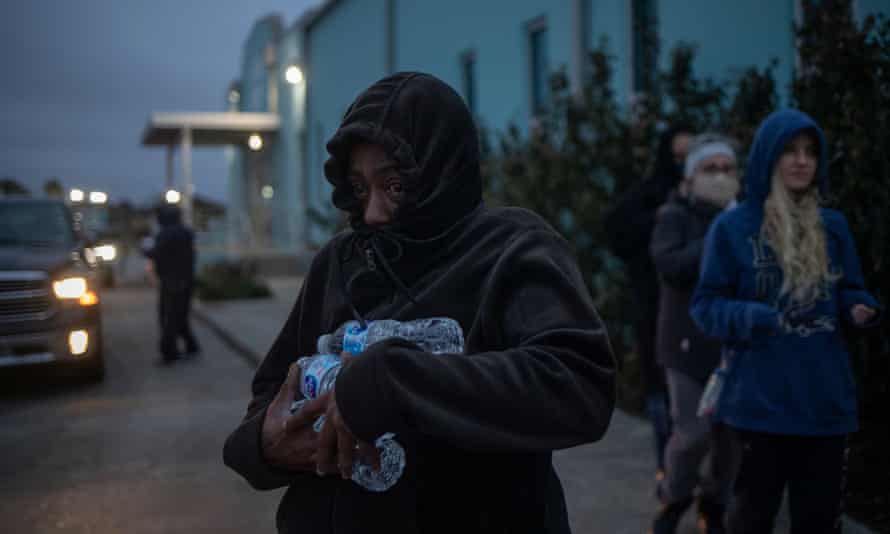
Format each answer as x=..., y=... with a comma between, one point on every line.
x=315, y=372
x=354, y=339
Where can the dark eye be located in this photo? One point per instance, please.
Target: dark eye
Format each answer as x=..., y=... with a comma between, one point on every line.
x=394, y=188
x=359, y=189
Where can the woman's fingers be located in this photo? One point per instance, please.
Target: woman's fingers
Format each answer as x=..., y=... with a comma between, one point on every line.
x=345, y=451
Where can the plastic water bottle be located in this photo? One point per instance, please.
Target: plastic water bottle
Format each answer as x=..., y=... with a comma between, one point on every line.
x=439, y=335
x=319, y=372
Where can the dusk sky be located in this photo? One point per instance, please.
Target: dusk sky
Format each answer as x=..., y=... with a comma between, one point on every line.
x=80, y=78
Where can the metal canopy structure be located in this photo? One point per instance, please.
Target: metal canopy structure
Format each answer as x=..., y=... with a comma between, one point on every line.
x=208, y=128
x=203, y=129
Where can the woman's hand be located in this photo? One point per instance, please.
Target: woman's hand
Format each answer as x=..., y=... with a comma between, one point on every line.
x=289, y=441
x=862, y=314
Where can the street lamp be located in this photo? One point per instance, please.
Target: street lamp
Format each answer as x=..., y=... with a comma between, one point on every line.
x=255, y=142
x=268, y=192
x=294, y=75
x=234, y=96
x=172, y=196
x=98, y=197
x=76, y=195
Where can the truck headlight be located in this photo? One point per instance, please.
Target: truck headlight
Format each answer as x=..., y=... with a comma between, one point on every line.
x=70, y=288
x=106, y=252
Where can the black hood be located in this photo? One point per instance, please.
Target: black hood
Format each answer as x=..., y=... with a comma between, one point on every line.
x=169, y=216
x=667, y=171
x=424, y=125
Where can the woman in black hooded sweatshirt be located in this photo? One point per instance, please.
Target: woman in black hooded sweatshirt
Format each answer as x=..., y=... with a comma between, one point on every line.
x=479, y=428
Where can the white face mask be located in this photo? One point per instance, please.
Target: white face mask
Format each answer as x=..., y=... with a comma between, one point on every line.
x=718, y=189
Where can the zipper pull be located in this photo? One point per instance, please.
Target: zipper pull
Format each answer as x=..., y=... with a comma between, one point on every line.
x=369, y=256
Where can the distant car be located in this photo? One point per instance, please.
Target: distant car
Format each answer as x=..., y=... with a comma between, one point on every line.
x=49, y=300
x=107, y=257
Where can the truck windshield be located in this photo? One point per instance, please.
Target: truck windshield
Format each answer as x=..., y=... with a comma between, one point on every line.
x=35, y=224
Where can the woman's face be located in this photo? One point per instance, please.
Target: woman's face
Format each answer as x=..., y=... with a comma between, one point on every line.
x=798, y=162
x=375, y=182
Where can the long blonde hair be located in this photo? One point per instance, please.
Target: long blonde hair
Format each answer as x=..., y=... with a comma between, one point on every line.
x=794, y=230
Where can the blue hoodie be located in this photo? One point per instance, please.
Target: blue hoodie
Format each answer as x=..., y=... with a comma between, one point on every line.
x=789, y=370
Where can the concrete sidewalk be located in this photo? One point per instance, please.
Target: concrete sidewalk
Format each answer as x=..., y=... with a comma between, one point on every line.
x=608, y=484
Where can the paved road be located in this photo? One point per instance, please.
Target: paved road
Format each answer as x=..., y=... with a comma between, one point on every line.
x=140, y=452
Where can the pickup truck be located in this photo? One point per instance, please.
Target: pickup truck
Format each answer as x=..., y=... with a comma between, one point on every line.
x=50, y=310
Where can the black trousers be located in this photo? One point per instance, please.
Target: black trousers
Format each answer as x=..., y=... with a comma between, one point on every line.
x=812, y=468
x=174, y=307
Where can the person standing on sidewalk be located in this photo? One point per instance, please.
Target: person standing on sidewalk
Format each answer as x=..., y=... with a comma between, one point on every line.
x=537, y=373
x=630, y=223
x=173, y=259
x=688, y=356
x=779, y=274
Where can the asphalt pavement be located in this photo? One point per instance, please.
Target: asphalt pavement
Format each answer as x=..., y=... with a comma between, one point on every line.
x=140, y=452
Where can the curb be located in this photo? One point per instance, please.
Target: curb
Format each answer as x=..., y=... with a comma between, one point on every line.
x=252, y=358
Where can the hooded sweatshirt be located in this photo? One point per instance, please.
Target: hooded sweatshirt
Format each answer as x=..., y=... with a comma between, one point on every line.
x=173, y=253
x=537, y=373
x=789, y=370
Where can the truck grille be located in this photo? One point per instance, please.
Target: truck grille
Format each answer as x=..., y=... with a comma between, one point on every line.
x=24, y=296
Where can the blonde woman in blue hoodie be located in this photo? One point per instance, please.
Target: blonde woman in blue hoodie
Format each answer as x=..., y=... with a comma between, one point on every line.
x=779, y=275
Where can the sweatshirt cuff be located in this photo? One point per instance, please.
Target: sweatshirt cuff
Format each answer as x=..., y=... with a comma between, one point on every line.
x=764, y=320
x=363, y=393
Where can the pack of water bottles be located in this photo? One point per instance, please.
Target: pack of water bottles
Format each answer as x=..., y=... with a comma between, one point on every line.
x=438, y=335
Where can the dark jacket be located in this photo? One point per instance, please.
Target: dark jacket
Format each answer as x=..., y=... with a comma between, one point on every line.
x=173, y=252
x=479, y=428
x=677, y=246
x=630, y=222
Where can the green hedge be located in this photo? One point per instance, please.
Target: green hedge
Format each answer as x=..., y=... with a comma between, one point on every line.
x=229, y=280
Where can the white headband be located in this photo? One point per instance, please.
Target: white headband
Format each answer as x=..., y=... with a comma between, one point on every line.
x=704, y=152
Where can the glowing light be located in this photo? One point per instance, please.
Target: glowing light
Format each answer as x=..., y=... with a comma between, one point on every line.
x=234, y=96
x=89, y=299
x=267, y=192
x=70, y=288
x=98, y=197
x=76, y=195
x=106, y=252
x=78, y=341
x=173, y=196
x=255, y=142
x=294, y=75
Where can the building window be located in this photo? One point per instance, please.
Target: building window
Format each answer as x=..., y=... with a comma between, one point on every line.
x=539, y=68
x=468, y=78
x=645, y=44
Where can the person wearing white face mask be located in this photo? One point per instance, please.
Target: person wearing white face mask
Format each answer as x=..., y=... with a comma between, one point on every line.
x=710, y=185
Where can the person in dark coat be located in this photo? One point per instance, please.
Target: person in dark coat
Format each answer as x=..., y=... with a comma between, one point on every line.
x=173, y=257
x=630, y=225
x=689, y=356
x=537, y=372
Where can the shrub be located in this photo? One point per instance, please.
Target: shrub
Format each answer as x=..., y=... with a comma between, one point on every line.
x=229, y=280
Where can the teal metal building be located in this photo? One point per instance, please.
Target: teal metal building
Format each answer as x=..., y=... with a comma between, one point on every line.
x=497, y=53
